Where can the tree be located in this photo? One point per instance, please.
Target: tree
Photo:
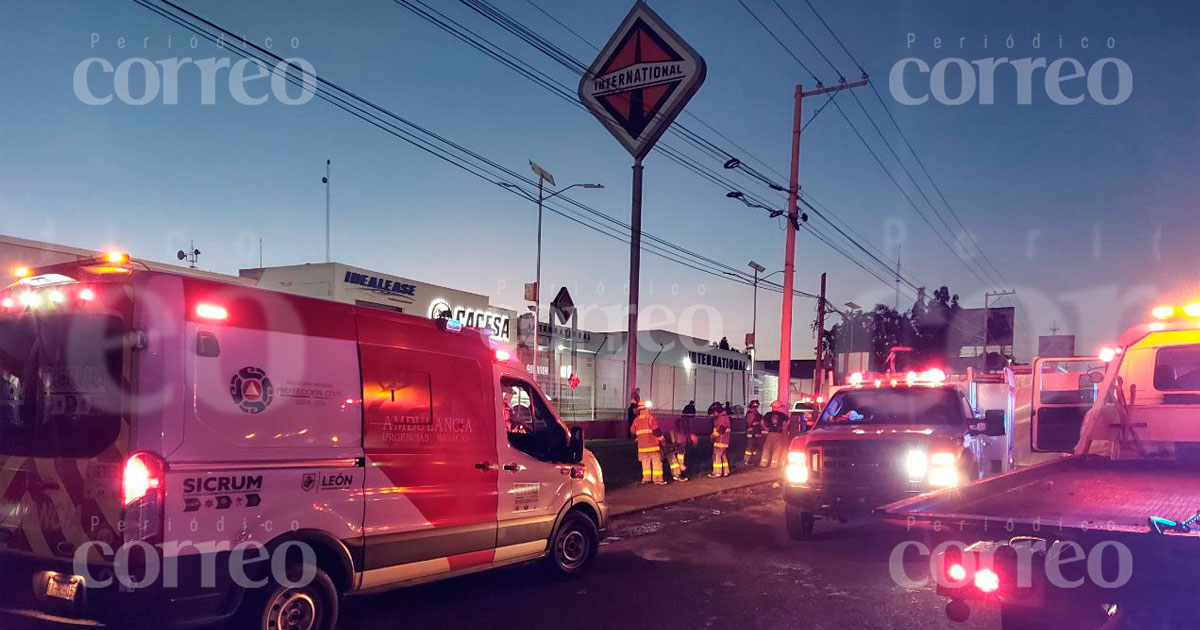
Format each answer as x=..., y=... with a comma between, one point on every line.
x=935, y=339
x=928, y=327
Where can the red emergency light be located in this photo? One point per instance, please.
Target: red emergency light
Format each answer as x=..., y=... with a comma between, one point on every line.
x=212, y=311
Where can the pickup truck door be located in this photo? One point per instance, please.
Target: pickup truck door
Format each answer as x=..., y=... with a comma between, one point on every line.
x=1063, y=391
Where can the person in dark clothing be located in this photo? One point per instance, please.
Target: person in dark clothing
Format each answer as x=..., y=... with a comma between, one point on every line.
x=775, y=447
x=689, y=410
x=634, y=400
x=754, y=434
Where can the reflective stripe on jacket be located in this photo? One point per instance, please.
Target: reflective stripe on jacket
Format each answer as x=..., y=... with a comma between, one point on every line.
x=645, y=429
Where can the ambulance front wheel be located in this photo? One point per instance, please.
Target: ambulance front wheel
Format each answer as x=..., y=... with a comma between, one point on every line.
x=573, y=546
x=303, y=605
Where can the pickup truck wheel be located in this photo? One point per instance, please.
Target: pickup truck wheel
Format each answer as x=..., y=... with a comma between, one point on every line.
x=800, y=524
x=573, y=547
x=276, y=606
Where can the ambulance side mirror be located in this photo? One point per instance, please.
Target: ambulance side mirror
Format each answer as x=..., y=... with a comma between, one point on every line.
x=575, y=445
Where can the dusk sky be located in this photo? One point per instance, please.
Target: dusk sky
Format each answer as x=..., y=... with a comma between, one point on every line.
x=1091, y=212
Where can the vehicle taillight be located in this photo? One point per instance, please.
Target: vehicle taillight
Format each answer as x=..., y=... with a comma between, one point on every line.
x=987, y=581
x=957, y=572
x=142, y=487
x=143, y=474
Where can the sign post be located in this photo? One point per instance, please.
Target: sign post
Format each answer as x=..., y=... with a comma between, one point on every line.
x=564, y=307
x=638, y=84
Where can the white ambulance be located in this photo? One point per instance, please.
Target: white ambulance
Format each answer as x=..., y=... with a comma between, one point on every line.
x=211, y=451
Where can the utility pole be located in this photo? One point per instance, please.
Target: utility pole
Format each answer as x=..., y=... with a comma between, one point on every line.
x=789, y=257
x=986, y=316
x=819, y=373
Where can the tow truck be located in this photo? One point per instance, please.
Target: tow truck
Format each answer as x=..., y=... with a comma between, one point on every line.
x=1124, y=494
x=886, y=436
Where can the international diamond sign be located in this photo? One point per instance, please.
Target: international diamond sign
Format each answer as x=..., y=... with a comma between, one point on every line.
x=636, y=87
x=641, y=80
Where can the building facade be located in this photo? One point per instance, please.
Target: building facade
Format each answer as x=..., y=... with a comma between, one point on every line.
x=363, y=287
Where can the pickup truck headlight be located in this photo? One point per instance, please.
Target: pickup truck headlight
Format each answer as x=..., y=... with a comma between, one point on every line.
x=940, y=470
x=917, y=465
x=796, y=470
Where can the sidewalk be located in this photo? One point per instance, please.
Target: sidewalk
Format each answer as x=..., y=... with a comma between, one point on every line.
x=639, y=497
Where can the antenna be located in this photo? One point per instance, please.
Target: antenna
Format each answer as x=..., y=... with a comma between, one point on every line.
x=191, y=255
x=898, y=249
x=326, y=180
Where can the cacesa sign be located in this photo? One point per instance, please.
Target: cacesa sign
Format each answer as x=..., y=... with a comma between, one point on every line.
x=976, y=80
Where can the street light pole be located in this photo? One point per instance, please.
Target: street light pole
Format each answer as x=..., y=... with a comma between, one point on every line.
x=754, y=317
x=537, y=282
x=544, y=176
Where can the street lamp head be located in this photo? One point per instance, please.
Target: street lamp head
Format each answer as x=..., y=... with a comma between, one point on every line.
x=852, y=306
x=734, y=194
x=757, y=267
x=593, y=185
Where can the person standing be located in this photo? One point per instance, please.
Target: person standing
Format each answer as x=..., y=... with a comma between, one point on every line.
x=775, y=447
x=754, y=431
x=635, y=400
x=689, y=410
x=649, y=445
x=720, y=436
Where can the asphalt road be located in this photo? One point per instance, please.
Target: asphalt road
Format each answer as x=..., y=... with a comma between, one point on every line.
x=723, y=561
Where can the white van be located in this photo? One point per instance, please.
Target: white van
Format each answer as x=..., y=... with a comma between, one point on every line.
x=212, y=451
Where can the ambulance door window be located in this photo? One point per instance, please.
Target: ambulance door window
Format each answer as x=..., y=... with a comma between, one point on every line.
x=528, y=423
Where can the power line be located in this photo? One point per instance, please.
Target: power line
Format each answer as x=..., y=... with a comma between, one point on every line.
x=861, y=138
x=909, y=145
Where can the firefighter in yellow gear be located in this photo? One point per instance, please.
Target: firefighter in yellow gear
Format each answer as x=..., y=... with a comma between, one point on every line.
x=720, y=437
x=675, y=450
x=649, y=444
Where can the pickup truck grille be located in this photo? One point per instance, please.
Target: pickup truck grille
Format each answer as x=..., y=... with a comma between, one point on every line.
x=857, y=463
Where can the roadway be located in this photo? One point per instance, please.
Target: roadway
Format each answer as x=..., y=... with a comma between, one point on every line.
x=721, y=561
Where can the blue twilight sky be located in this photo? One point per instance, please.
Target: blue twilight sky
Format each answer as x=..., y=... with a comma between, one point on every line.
x=1090, y=211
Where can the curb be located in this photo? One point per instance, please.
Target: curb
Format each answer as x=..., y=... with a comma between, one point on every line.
x=642, y=508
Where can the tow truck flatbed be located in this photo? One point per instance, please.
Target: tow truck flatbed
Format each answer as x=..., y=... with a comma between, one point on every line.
x=1080, y=493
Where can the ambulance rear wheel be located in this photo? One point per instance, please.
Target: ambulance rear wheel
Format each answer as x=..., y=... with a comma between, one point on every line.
x=573, y=547
x=800, y=524
x=304, y=606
